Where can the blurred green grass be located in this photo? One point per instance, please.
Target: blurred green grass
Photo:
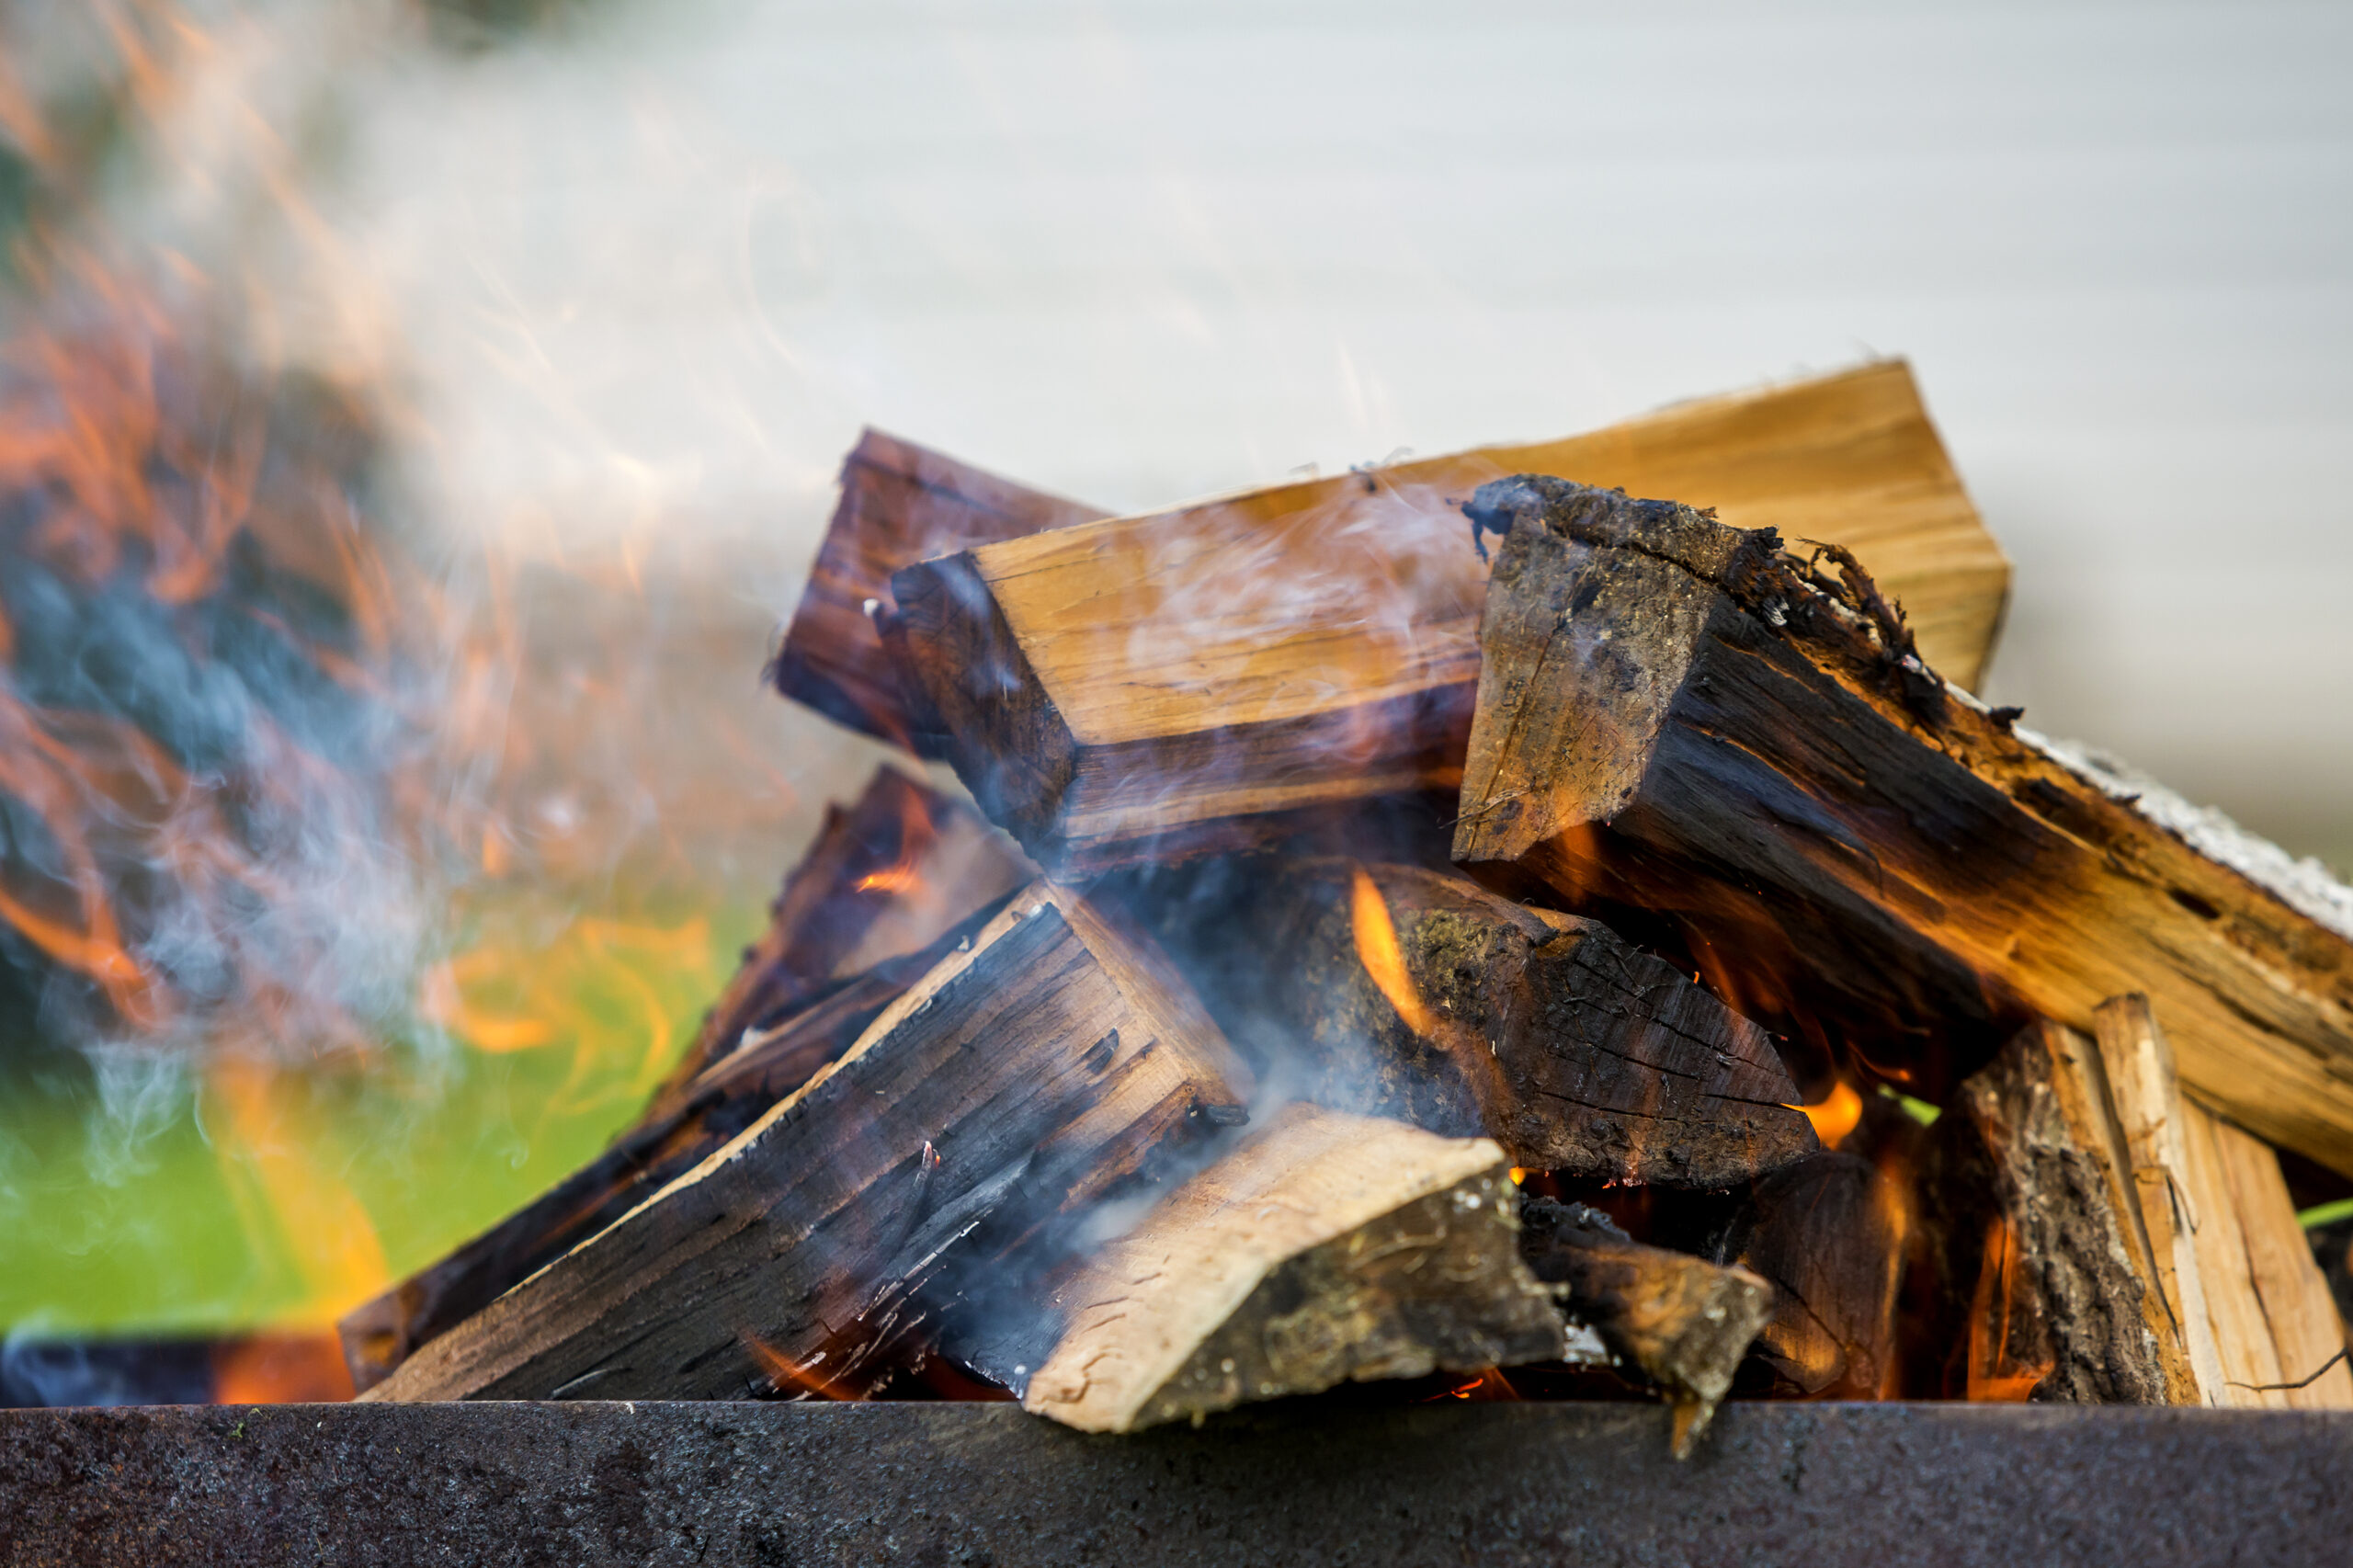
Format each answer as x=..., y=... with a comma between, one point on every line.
x=149, y=1201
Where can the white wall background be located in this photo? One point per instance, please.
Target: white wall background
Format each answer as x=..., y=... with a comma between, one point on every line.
x=654, y=276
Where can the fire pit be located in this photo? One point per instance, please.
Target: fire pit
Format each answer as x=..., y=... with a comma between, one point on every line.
x=759, y=1484
x=1657, y=979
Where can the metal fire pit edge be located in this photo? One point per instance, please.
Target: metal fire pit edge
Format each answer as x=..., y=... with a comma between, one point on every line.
x=801, y=1485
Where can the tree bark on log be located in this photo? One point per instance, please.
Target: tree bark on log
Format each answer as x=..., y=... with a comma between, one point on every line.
x=1676, y=716
x=1032, y=1070
x=1686, y=1324
x=2048, y=1291
x=1326, y=1248
x=1109, y=685
x=900, y=504
x=1411, y=992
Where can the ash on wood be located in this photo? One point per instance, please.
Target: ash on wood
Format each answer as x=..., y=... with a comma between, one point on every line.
x=1830, y=1238
x=1032, y=1070
x=1411, y=992
x=1140, y=680
x=1676, y=715
x=1324, y=1249
x=900, y=504
x=1684, y=1321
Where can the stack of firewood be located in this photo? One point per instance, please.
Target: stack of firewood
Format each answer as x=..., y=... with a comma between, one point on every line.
x=1453, y=919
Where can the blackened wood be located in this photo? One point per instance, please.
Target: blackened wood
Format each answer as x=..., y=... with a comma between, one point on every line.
x=900, y=504
x=882, y=878
x=1830, y=1236
x=1577, y=1051
x=707, y=1114
x=1326, y=1248
x=1027, y=1072
x=1683, y=1321
x=1678, y=716
x=885, y=889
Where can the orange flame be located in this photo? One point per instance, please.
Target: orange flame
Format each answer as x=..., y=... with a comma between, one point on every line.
x=1836, y=1115
x=784, y=1373
x=282, y=1369
x=1376, y=939
x=917, y=834
x=1485, y=1385
x=324, y=1227
x=1992, y=1376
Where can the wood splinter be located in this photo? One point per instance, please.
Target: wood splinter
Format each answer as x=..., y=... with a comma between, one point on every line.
x=1324, y=1249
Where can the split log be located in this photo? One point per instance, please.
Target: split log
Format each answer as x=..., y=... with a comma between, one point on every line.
x=1406, y=991
x=882, y=878
x=1029, y=1072
x=2039, y=1229
x=1683, y=1321
x=2151, y=1120
x=2275, y=1323
x=1115, y=687
x=708, y=1112
x=1828, y=1233
x=900, y=504
x=1677, y=717
x=886, y=888
x=1327, y=1248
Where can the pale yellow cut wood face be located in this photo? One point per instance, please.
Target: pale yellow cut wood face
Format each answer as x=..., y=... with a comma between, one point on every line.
x=1310, y=1176
x=1278, y=602
x=2293, y=1297
x=2242, y=1337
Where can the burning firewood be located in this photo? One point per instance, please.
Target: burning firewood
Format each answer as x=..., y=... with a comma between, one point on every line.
x=1040, y=1065
x=2108, y=1191
x=1150, y=681
x=883, y=878
x=1324, y=1249
x=884, y=893
x=1684, y=1322
x=703, y=1117
x=1411, y=992
x=2037, y=1214
x=900, y=504
x=1679, y=717
x=1829, y=1237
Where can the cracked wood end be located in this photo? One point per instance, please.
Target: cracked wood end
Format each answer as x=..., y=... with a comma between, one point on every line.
x=1324, y=1249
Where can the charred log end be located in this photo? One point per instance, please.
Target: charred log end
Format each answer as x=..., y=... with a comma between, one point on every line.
x=1006, y=738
